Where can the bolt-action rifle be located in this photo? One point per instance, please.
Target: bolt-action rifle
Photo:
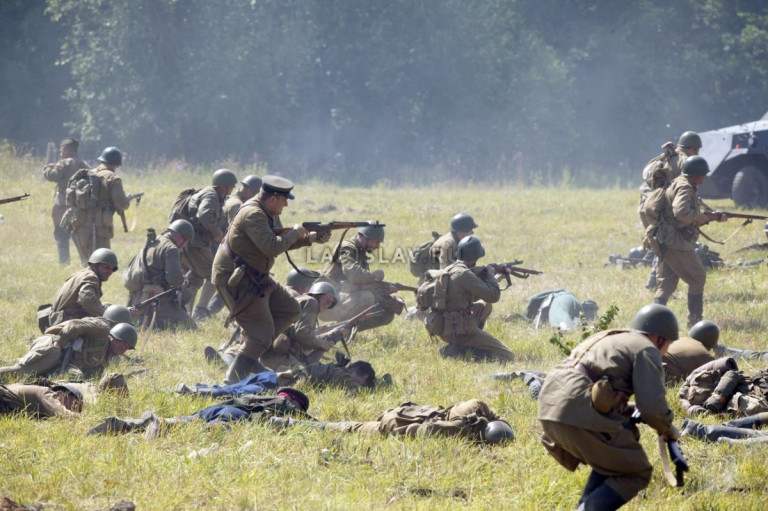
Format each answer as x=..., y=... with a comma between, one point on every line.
x=14, y=198
x=351, y=324
x=382, y=284
x=629, y=261
x=511, y=269
x=328, y=226
x=669, y=450
x=729, y=214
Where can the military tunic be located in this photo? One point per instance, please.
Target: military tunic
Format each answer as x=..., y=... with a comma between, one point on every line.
x=98, y=228
x=39, y=402
x=79, y=297
x=261, y=306
x=443, y=251
x=232, y=206
x=59, y=173
x=683, y=356
x=468, y=298
x=632, y=364
x=209, y=222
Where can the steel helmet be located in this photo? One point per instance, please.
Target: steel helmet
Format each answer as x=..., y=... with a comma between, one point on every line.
x=118, y=314
x=372, y=231
x=125, y=332
x=324, y=288
x=690, y=139
x=462, y=223
x=184, y=228
x=706, y=332
x=105, y=256
x=470, y=249
x=69, y=388
x=224, y=177
x=695, y=166
x=296, y=279
x=252, y=182
x=656, y=319
x=637, y=253
x=111, y=156
x=498, y=431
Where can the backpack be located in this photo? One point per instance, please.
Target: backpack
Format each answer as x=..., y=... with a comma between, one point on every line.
x=421, y=259
x=651, y=211
x=136, y=270
x=654, y=173
x=83, y=190
x=432, y=293
x=180, y=207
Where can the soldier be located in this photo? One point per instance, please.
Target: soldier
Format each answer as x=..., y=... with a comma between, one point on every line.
x=300, y=344
x=261, y=306
x=89, y=342
x=59, y=173
x=80, y=296
x=443, y=251
x=584, y=411
x=41, y=401
x=360, y=287
x=677, y=232
x=97, y=227
x=744, y=430
x=162, y=271
x=299, y=283
x=471, y=419
x=206, y=216
x=689, y=353
x=251, y=186
x=458, y=313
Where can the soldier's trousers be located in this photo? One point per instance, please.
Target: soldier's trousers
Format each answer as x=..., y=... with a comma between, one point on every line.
x=61, y=236
x=745, y=354
x=618, y=456
x=86, y=242
x=677, y=265
x=200, y=261
x=476, y=338
x=42, y=358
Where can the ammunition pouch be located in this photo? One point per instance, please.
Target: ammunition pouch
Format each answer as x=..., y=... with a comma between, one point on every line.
x=454, y=323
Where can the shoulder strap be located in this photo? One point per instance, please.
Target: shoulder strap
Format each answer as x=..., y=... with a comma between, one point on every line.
x=597, y=338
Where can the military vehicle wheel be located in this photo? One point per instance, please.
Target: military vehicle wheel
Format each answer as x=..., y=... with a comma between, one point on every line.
x=750, y=188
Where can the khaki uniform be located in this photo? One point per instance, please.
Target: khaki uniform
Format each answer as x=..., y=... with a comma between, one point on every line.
x=232, y=206
x=677, y=233
x=163, y=272
x=98, y=228
x=59, y=173
x=352, y=268
x=575, y=432
x=37, y=401
x=209, y=223
x=467, y=306
x=261, y=306
x=317, y=375
x=79, y=297
x=444, y=249
x=467, y=419
x=89, y=338
x=289, y=347
x=683, y=356
x=669, y=171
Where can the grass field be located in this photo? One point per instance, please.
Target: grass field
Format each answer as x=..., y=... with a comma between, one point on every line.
x=567, y=233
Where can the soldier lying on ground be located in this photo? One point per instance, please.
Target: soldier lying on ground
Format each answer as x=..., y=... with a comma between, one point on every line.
x=78, y=346
x=287, y=401
x=737, y=431
x=559, y=309
x=471, y=419
x=719, y=387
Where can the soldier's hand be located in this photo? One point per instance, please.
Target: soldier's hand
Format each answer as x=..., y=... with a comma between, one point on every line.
x=392, y=288
x=718, y=217
x=303, y=232
x=135, y=311
x=673, y=434
x=319, y=237
x=378, y=275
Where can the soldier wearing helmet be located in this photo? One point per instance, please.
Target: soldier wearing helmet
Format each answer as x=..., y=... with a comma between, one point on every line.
x=205, y=213
x=677, y=233
x=59, y=173
x=443, y=251
x=361, y=288
x=161, y=271
x=41, y=401
x=80, y=295
x=689, y=353
x=301, y=344
x=584, y=410
x=261, y=306
x=458, y=314
x=97, y=226
x=299, y=281
x=250, y=187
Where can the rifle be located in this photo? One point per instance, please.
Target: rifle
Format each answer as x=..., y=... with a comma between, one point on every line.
x=382, y=284
x=671, y=453
x=167, y=292
x=121, y=212
x=14, y=198
x=352, y=323
x=629, y=261
x=512, y=269
x=136, y=196
x=328, y=226
x=728, y=214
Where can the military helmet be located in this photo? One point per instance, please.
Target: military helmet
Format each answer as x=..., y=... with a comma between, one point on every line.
x=324, y=288
x=125, y=332
x=297, y=395
x=470, y=249
x=695, y=166
x=71, y=389
x=296, y=279
x=690, y=139
x=656, y=319
x=498, y=431
x=252, y=182
x=462, y=223
x=105, y=256
x=184, y=228
x=372, y=231
x=637, y=252
x=111, y=156
x=118, y=314
x=114, y=382
x=706, y=332
x=224, y=177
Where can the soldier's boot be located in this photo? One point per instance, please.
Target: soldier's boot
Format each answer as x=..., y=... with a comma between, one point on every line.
x=10, y=369
x=723, y=392
x=695, y=309
x=215, y=304
x=241, y=367
x=594, y=481
x=603, y=498
x=201, y=312
x=118, y=425
x=62, y=247
x=659, y=300
x=756, y=421
x=183, y=388
x=739, y=441
x=713, y=433
x=381, y=318
x=213, y=357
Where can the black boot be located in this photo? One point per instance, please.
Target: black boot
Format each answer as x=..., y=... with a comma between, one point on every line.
x=659, y=300
x=241, y=367
x=695, y=309
x=753, y=421
x=595, y=481
x=604, y=498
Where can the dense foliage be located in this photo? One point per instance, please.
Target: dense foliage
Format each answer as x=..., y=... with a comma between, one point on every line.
x=387, y=90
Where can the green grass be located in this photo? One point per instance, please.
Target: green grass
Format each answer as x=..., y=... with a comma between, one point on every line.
x=566, y=233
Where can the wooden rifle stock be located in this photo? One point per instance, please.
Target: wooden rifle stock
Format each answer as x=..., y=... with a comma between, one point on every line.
x=327, y=227
x=14, y=198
